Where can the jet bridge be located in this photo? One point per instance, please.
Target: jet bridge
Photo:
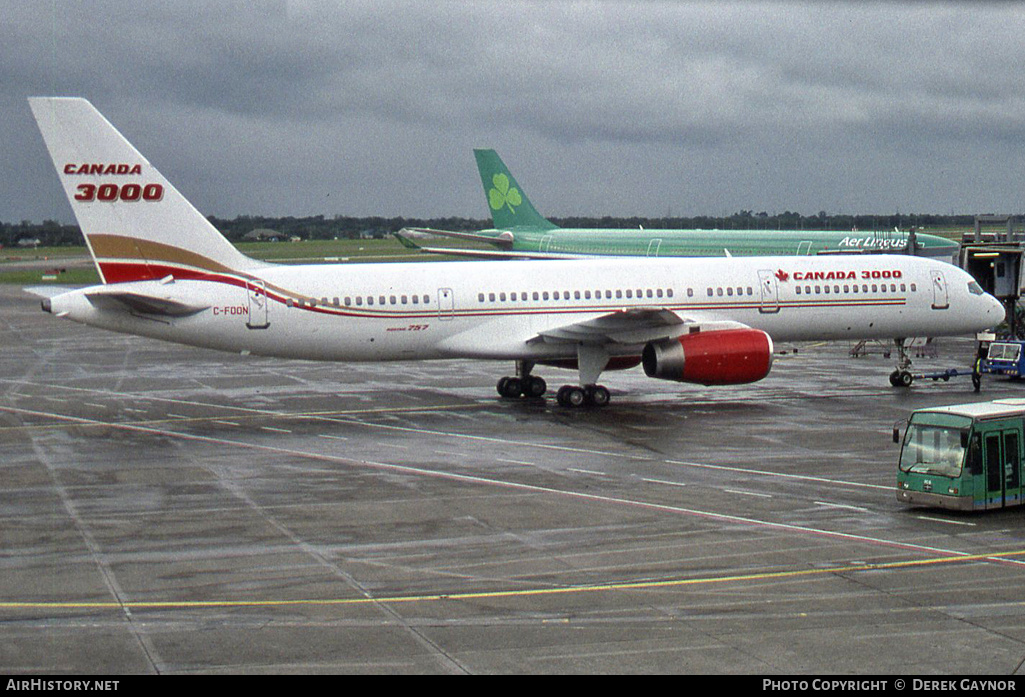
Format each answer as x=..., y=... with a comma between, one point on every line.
x=994, y=259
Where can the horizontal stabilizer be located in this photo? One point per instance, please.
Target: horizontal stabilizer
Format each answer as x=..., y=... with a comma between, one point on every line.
x=46, y=291
x=143, y=304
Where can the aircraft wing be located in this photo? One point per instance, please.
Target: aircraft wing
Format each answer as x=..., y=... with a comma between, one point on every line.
x=498, y=254
x=499, y=238
x=630, y=326
x=477, y=253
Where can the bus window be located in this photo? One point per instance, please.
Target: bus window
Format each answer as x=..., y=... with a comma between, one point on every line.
x=993, y=468
x=975, y=455
x=1011, y=468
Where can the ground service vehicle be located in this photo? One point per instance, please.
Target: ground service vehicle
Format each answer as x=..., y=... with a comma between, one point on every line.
x=966, y=457
x=1004, y=358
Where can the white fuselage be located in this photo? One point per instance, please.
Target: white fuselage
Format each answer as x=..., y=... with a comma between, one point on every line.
x=497, y=310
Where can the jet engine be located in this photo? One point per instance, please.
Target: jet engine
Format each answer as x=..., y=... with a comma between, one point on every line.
x=718, y=357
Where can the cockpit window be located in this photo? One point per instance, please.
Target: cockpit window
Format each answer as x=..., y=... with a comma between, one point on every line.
x=974, y=288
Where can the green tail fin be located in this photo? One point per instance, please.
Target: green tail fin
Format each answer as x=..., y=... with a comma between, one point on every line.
x=510, y=207
x=405, y=241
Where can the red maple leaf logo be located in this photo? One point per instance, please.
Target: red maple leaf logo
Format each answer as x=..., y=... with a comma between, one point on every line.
x=782, y=275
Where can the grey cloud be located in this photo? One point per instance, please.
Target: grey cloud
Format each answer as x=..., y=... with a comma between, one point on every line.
x=313, y=106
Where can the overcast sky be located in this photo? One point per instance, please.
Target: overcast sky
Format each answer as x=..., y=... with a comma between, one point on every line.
x=644, y=108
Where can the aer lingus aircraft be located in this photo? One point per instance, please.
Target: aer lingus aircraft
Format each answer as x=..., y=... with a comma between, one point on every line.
x=523, y=233
x=169, y=274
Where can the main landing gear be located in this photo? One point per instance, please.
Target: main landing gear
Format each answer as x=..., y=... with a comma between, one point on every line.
x=588, y=395
x=523, y=384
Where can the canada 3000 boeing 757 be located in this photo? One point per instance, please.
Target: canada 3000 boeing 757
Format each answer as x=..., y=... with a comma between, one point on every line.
x=169, y=274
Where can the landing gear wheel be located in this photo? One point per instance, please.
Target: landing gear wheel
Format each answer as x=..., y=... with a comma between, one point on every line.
x=534, y=387
x=510, y=388
x=905, y=379
x=598, y=395
x=571, y=396
x=895, y=378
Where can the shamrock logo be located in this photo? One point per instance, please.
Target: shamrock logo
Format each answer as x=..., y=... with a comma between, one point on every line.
x=502, y=195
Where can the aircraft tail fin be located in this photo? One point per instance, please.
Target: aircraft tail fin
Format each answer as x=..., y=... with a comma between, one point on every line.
x=136, y=224
x=510, y=207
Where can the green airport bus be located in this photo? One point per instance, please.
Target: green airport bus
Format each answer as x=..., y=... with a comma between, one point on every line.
x=965, y=457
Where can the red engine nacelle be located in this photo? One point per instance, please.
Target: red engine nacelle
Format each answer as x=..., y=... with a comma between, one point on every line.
x=721, y=357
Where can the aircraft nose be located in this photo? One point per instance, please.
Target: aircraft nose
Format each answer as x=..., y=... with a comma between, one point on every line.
x=995, y=309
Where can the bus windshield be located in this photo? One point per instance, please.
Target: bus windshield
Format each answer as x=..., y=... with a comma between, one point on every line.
x=932, y=450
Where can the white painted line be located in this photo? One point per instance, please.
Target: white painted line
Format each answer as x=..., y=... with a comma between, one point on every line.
x=748, y=493
x=944, y=520
x=274, y=430
x=662, y=481
x=840, y=505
